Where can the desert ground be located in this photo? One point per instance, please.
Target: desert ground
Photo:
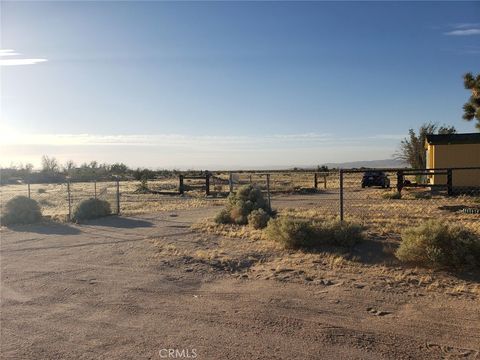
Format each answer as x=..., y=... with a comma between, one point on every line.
x=132, y=286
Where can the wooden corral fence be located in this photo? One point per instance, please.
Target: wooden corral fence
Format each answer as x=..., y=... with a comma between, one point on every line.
x=207, y=179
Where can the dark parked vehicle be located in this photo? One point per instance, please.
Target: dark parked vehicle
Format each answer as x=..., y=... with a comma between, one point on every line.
x=375, y=178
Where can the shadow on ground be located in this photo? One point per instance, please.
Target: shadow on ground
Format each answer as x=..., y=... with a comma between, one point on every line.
x=119, y=222
x=47, y=228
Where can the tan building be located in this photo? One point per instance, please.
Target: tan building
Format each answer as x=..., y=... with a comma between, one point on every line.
x=454, y=151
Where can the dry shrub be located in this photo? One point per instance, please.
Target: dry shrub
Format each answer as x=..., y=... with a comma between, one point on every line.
x=258, y=219
x=91, y=209
x=436, y=244
x=21, y=210
x=241, y=204
x=300, y=233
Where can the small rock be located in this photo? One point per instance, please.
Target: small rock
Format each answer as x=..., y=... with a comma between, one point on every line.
x=359, y=286
x=326, y=282
x=243, y=276
x=382, y=313
x=189, y=270
x=308, y=278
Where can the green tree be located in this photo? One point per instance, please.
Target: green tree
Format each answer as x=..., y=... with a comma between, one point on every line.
x=471, y=109
x=412, y=148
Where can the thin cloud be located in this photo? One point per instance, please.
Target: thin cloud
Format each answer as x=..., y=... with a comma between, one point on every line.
x=466, y=25
x=17, y=61
x=463, y=32
x=8, y=52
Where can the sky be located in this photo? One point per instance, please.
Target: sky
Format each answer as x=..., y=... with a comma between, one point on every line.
x=210, y=85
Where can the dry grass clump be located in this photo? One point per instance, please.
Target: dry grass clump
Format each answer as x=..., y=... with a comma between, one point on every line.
x=91, y=209
x=436, y=244
x=246, y=201
x=21, y=210
x=300, y=233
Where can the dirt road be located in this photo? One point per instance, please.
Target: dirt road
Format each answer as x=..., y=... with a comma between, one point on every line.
x=103, y=291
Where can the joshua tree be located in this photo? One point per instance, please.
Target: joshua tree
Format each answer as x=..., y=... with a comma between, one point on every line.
x=471, y=109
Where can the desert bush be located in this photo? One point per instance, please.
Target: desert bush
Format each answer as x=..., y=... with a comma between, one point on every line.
x=142, y=188
x=258, y=219
x=392, y=195
x=41, y=191
x=294, y=233
x=436, y=244
x=247, y=199
x=291, y=233
x=223, y=217
x=21, y=210
x=91, y=209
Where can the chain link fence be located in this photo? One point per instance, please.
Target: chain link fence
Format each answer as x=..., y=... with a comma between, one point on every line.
x=384, y=200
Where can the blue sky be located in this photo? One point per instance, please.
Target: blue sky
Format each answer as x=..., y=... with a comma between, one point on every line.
x=229, y=84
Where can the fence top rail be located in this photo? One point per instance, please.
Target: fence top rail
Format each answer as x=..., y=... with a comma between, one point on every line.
x=408, y=170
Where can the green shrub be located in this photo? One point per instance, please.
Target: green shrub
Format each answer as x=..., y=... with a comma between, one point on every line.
x=258, y=219
x=223, y=217
x=436, y=244
x=298, y=233
x=291, y=233
x=21, y=210
x=142, y=188
x=392, y=195
x=247, y=199
x=91, y=209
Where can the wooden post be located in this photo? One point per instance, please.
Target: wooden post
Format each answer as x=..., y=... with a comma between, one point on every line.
x=230, y=182
x=180, y=185
x=449, y=182
x=268, y=193
x=69, y=198
x=118, y=196
x=324, y=181
x=341, y=195
x=207, y=184
x=28, y=186
x=315, y=181
x=95, y=188
x=400, y=181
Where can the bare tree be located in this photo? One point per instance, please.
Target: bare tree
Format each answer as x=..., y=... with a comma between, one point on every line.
x=412, y=148
x=50, y=165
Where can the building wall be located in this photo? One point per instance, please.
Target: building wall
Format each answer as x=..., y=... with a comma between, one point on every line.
x=455, y=155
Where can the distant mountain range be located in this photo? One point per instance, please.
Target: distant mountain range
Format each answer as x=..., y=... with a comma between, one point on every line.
x=386, y=163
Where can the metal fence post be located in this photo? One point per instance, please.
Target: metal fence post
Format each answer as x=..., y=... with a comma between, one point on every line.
x=28, y=186
x=230, y=182
x=268, y=193
x=95, y=188
x=341, y=195
x=69, y=198
x=118, y=196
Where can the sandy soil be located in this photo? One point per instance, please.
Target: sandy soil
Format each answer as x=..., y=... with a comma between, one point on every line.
x=129, y=287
